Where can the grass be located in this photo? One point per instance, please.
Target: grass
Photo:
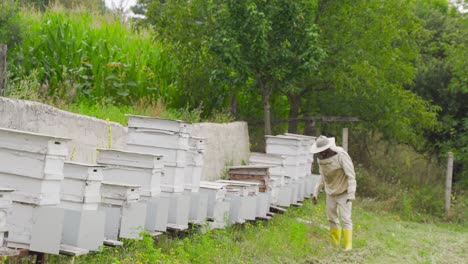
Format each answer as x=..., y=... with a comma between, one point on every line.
x=300, y=236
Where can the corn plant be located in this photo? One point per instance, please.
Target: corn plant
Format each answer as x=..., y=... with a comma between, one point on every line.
x=85, y=56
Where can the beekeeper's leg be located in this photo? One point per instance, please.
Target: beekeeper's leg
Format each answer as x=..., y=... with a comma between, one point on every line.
x=332, y=212
x=345, y=212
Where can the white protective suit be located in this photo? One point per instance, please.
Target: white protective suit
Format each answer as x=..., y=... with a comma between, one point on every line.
x=339, y=179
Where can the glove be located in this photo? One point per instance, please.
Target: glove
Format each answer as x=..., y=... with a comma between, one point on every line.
x=351, y=197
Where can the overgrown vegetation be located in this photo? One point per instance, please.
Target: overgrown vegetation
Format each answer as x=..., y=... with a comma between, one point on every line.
x=299, y=236
x=398, y=65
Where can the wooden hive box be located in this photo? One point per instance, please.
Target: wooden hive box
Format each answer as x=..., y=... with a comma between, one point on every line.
x=252, y=173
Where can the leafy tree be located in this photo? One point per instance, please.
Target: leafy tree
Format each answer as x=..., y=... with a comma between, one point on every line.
x=186, y=27
x=10, y=23
x=371, y=46
x=271, y=43
x=442, y=78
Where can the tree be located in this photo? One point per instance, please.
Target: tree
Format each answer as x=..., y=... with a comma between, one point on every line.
x=186, y=27
x=442, y=78
x=371, y=46
x=271, y=43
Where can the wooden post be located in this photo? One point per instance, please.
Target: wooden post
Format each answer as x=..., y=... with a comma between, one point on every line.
x=448, y=182
x=345, y=139
x=3, y=67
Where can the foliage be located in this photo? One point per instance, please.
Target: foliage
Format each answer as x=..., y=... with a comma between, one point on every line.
x=93, y=57
x=442, y=79
x=187, y=26
x=25, y=88
x=10, y=24
x=298, y=236
x=267, y=43
x=370, y=47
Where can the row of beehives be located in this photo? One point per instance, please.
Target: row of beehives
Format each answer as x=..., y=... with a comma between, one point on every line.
x=57, y=204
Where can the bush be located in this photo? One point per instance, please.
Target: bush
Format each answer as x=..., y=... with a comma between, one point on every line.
x=10, y=23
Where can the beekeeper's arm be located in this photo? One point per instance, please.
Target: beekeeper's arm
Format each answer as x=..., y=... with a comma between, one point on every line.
x=348, y=168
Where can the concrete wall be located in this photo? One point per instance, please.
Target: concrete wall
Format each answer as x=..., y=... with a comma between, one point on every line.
x=86, y=132
x=227, y=144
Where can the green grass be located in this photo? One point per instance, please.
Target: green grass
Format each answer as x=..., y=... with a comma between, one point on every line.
x=378, y=238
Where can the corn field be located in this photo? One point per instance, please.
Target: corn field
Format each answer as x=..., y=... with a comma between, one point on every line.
x=80, y=55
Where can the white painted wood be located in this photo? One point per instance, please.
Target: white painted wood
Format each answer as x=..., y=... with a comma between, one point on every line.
x=149, y=180
x=83, y=229
x=219, y=215
x=198, y=207
x=81, y=184
x=133, y=220
x=33, y=142
x=194, y=168
x=83, y=171
x=32, y=190
x=176, y=157
x=133, y=168
x=216, y=192
x=5, y=205
x=179, y=208
x=172, y=179
x=72, y=251
x=40, y=166
x=158, y=138
x=250, y=203
x=118, y=193
x=244, y=188
x=263, y=204
x=158, y=123
x=36, y=228
x=237, y=208
x=284, y=196
x=157, y=214
x=113, y=218
x=129, y=159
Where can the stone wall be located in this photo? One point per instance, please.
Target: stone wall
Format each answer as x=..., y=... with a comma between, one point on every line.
x=87, y=133
x=227, y=144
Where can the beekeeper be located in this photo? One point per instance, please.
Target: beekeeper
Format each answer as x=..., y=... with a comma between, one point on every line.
x=338, y=177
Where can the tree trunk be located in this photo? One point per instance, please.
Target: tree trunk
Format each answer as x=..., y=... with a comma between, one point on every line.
x=309, y=128
x=3, y=68
x=266, y=110
x=233, y=105
x=294, y=104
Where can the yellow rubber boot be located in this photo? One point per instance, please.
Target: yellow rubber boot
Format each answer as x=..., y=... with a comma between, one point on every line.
x=335, y=234
x=348, y=239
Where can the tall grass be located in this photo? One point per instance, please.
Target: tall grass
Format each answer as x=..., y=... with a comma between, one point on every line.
x=79, y=56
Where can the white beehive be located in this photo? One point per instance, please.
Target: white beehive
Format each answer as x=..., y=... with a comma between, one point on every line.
x=81, y=186
x=158, y=123
x=145, y=170
x=125, y=213
x=39, y=182
x=194, y=168
x=37, y=228
x=166, y=137
x=5, y=205
x=198, y=207
x=242, y=197
x=81, y=195
x=263, y=204
x=218, y=209
x=135, y=168
x=34, y=223
x=179, y=209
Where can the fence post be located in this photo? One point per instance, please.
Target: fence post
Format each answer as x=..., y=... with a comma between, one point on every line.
x=345, y=139
x=3, y=67
x=448, y=182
